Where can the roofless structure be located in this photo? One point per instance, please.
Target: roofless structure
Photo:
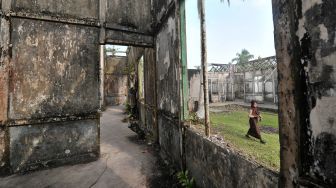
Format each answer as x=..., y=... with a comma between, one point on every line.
x=254, y=80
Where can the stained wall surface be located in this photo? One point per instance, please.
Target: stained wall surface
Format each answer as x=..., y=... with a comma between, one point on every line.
x=56, y=85
x=49, y=76
x=85, y=9
x=150, y=89
x=305, y=45
x=115, y=83
x=194, y=79
x=54, y=70
x=4, y=74
x=53, y=78
x=130, y=14
x=168, y=80
x=147, y=109
x=128, y=22
x=213, y=164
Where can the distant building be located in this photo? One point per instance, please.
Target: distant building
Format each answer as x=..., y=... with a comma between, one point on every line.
x=254, y=80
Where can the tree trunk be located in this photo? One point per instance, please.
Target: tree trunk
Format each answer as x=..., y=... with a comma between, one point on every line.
x=204, y=69
x=200, y=110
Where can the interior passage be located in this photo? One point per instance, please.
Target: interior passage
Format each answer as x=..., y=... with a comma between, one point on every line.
x=125, y=162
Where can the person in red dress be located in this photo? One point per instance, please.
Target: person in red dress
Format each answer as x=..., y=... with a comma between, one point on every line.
x=254, y=119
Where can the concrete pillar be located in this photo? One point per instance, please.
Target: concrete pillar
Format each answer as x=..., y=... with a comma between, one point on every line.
x=102, y=77
x=211, y=93
x=305, y=46
x=263, y=86
x=274, y=89
x=232, y=81
x=253, y=83
x=244, y=87
x=5, y=49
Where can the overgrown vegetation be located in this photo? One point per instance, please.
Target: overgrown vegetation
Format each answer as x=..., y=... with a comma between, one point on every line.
x=185, y=180
x=128, y=109
x=233, y=126
x=194, y=119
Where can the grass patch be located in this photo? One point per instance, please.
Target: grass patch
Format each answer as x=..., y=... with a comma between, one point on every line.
x=234, y=125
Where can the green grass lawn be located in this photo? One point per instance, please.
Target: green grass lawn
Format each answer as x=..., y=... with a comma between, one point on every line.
x=234, y=125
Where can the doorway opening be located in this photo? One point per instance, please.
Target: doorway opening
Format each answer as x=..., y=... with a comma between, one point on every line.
x=128, y=78
x=115, y=75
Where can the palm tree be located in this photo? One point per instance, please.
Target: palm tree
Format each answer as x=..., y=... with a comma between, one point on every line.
x=243, y=57
x=111, y=50
x=201, y=12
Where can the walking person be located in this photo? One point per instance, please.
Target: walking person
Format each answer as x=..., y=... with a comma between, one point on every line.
x=254, y=119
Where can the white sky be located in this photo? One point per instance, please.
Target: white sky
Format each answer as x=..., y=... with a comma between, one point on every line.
x=244, y=24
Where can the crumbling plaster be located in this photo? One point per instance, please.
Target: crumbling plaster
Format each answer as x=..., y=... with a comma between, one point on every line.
x=305, y=44
x=49, y=81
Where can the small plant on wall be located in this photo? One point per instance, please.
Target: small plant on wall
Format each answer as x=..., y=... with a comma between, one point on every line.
x=129, y=69
x=194, y=119
x=184, y=180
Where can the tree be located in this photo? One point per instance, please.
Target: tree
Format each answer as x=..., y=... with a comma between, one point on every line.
x=201, y=12
x=243, y=57
x=112, y=51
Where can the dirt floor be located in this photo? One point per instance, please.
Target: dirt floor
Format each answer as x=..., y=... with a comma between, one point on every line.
x=125, y=161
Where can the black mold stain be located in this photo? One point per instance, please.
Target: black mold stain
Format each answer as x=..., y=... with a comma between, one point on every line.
x=313, y=101
x=325, y=157
x=303, y=100
x=306, y=53
x=325, y=83
x=320, y=153
x=326, y=77
x=322, y=14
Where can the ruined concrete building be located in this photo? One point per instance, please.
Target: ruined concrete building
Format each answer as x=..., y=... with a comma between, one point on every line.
x=254, y=80
x=51, y=89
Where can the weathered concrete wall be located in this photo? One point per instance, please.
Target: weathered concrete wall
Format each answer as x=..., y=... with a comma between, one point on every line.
x=161, y=10
x=170, y=139
x=4, y=67
x=3, y=93
x=134, y=57
x=168, y=91
x=4, y=70
x=85, y=9
x=305, y=43
x=53, y=78
x=4, y=153
x=150, y=77
x=150, y=86
x=168, y=68
x=115, y=84
x=147, y=105
x=130, y=14
x=49, y=74
x=194, y=79
x=128, y=22
x=66, y=60
x=128, y=38
x=214, y=164
x=122, y=22
x=50, y=144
